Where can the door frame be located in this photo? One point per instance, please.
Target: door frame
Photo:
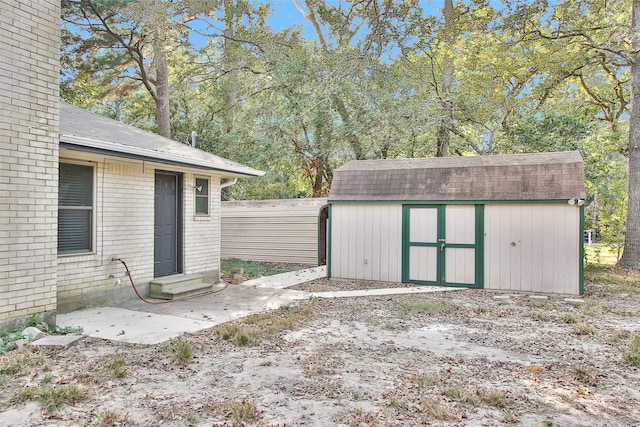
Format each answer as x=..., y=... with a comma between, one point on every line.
x=178, y=176
x=478, y=245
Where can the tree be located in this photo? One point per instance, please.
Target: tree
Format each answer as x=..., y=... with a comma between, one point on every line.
x=631, y=255
x=125, y=41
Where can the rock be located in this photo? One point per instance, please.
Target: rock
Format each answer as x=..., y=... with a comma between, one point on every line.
x=574, y=301
x=32, y=333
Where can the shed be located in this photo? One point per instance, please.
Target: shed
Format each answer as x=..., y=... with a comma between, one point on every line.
x=280, y=230
x=502, y=222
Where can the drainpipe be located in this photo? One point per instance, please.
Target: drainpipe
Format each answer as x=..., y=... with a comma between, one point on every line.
x=228, y=183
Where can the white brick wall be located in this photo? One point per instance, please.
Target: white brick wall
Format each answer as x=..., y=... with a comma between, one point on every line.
x=124, y=228
x=29, y=96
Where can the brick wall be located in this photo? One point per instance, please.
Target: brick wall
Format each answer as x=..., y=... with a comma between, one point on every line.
x=29, y=96
x=124, y=219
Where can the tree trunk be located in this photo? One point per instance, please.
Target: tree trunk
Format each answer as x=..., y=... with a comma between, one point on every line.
x=446, y=106
x=631, y=255
x=163, y=113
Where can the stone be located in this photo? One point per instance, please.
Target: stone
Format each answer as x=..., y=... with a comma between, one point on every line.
x=574, y=301
x=32, y=333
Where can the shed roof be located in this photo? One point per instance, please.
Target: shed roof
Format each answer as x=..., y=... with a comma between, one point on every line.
x=539, y=176
x=85, y=131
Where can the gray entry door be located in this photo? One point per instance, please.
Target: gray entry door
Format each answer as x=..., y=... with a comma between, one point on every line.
x=167, y=230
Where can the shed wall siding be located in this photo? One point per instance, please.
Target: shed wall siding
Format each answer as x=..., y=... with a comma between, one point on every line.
x=273, y=234
x=366, y=242
x=124, y=217
x=532, y=248
x=29, y=126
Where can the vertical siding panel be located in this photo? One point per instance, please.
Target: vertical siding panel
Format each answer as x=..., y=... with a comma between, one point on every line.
x=527, y=256
x=376, y=234
x=395, y=246
x=369, y=214
x=537, y=248
x=352, y=232
x=548, y=251
x=384, y=259
x=505, y=261
x=515, y=244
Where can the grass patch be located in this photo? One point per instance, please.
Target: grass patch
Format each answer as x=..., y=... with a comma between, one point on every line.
x=569, y=318
x=424, y=380
x=585, y=374
x=182, y=353
x=255, y=269
x=632, y=355
x=621, y=335
x=50, y=398
x=615, y=279
x=428, y=307
x=117, y=368
x=253, y=329
x=436, y=410
x=495, y=398
x=243, y=412
x=584, y=330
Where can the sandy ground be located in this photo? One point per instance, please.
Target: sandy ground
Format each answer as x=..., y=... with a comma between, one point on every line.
x=464, y=357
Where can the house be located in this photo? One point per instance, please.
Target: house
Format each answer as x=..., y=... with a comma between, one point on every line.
x=78, y=191
x=129, y=194
x=508, y=222
x=280, y=230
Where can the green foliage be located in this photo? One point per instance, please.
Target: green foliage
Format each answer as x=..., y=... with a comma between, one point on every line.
x=525, y=77
x=182, y=353
x=255, y=269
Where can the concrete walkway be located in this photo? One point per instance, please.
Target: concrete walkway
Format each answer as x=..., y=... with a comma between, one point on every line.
x=137, y=322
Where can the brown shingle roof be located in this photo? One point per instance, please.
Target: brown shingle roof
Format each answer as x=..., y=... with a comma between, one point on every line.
x=539, y=176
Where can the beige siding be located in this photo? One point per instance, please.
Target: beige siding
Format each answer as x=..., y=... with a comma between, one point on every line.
x=460, y=227
x=29, y=126
x=124, y=218
x=366, y=242
x=271, y=232
x=532, y=248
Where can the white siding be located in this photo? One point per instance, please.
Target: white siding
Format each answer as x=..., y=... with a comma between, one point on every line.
x=272, y=232
x=532, y=248
x=366, y=242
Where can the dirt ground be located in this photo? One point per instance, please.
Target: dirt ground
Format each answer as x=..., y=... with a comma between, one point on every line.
x=460, y=357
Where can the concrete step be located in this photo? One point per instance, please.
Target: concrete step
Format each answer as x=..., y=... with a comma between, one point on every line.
x=180, y=290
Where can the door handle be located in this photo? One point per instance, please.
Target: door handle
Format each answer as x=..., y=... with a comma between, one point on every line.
x=442, y=243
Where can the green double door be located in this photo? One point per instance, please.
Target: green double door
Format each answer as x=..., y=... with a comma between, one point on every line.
x=442, y=245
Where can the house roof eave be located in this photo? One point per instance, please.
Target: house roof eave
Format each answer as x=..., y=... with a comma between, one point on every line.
x=127, y=151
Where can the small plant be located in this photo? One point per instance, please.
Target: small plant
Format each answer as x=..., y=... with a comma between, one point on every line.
x=46, y=379
x=584, y=330
x=54, y=398
x=632, y=355
x=243, y=412
x=356, y=396
x=569, y=318
x=424, y=380
x=585, y=374
x=116, y=367
x=455, y=392
x=621, y=335
x=543, y=316
x=436, y=410
x=182, y=353
x=398, y=403
x=494, y=398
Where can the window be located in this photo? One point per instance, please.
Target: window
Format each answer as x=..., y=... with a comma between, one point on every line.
x=75, y=209
x=202, y=196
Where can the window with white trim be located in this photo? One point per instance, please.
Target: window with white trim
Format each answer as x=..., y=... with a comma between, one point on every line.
x=202, y=196
x=75, y=208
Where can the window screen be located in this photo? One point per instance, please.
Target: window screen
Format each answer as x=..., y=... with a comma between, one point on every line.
x=75, y=208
